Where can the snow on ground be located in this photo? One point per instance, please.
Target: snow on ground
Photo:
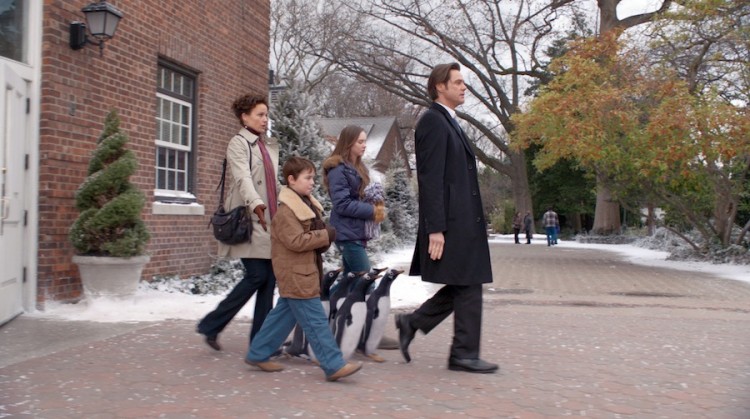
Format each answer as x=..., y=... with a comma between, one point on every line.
x=407, y=291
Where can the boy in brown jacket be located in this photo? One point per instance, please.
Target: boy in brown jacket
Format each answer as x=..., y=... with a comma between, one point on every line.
x=298, y=236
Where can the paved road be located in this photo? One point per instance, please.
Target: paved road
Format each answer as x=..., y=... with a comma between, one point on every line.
x=578, y=333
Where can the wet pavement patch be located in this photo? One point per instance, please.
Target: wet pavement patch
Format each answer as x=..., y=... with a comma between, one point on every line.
x=510, y=291
x=647, y=294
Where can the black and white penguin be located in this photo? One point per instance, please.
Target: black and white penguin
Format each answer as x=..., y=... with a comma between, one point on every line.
x=374, y=272
x=325, y=289
x=298, y=346
x=378, y=307
x=350, y=317
x=340, y=292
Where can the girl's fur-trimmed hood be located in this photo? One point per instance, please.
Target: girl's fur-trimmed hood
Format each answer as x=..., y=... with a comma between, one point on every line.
x=291, y=199
x=332, y=162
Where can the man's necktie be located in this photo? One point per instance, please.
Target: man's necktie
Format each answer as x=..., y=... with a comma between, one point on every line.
x=457, y=126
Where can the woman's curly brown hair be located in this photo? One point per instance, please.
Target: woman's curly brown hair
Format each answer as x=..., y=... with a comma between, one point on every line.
x=247, y=103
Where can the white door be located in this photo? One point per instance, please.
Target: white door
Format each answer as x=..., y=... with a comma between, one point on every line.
x=13, y=122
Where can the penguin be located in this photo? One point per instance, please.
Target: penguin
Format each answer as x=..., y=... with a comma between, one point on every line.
x=378, y=307
x=299, y=345
x=374, y=272
x=350, y=317
x=338, y=295
x=325, y=288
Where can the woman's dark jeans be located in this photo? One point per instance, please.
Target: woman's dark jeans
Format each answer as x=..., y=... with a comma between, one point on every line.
x=258, y=278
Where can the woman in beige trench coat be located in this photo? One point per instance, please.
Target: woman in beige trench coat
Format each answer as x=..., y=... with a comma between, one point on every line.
x=252, y=160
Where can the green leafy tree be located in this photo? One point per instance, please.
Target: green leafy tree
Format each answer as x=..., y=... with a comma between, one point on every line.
x=110, y=206
x=563, y=186
x=644, y=134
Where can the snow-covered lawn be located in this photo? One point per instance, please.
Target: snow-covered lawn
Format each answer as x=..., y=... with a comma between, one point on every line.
x=152, y=304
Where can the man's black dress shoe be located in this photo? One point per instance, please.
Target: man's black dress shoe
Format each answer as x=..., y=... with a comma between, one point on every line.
x=213, y=343
x=405, y=334
x=471, y=365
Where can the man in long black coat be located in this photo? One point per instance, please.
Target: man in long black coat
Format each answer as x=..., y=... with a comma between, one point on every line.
x=452, y=246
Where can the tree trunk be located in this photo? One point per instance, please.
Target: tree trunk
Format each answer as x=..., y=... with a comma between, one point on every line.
x=725, y=211
x=607, y=214
x=577, y=222
x=520, y=182
x=651, y=219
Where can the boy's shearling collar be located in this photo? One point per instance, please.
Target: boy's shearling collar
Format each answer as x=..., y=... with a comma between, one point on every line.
x=290, y=198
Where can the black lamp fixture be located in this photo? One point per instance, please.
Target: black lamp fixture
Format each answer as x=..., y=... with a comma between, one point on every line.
x=101, y=20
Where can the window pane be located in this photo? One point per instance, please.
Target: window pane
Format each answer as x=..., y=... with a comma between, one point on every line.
x=181, y=182
x=171, y=159
x=187, y=88
x=185, y=115
x=160, y=132
x=175, y=137
x=181, y=161
x=161, y=179
x=161, y=157
x=177, y=83
x=13, y=31
x=185, y=137
x=170, y=181
x=160, y=75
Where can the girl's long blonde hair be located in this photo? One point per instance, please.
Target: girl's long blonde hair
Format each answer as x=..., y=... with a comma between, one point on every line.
x=347, y=138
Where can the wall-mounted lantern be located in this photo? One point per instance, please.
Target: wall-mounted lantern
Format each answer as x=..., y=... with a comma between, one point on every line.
x=101, y=20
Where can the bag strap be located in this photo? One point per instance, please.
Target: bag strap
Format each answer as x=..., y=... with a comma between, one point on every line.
x=221, y=183
x=224, y=172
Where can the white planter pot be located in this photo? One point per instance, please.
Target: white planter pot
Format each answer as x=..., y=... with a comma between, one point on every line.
x=112, y=277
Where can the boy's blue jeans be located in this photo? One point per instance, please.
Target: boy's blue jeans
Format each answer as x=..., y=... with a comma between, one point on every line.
x=280, y=322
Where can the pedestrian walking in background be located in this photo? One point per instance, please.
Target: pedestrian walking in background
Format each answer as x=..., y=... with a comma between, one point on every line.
x=298, y=238
x=253, y=161
x=528, y=223
x=551, y=226
x=517, y=223
x=451, y=246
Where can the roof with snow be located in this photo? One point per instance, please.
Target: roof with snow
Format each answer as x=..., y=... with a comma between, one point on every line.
x=383, y=138
x=376, y=128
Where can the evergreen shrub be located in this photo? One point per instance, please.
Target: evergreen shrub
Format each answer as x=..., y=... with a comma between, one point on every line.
x=110, y=206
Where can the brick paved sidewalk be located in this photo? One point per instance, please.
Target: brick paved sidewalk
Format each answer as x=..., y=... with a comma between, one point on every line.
x=578, y=333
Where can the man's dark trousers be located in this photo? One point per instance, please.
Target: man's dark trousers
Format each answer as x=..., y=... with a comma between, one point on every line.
x=465, y=301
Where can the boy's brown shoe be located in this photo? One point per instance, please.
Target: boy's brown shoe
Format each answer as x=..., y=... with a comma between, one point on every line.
x=345, y=371
x=267, y=366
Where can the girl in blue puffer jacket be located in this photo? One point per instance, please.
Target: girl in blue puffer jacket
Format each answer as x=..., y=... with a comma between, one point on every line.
x=346, y=177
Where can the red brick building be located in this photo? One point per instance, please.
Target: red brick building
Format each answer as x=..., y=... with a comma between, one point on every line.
x=171, y=71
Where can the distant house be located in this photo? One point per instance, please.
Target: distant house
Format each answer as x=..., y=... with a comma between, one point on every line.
x=384, y=142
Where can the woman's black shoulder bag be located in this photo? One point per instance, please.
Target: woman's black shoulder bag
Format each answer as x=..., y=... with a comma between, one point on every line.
x=235, y=226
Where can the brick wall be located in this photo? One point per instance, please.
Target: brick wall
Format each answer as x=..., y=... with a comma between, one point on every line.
x=225, y=41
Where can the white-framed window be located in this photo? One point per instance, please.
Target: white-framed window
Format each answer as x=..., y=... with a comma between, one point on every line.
x=175, y=119
x=14, y=36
